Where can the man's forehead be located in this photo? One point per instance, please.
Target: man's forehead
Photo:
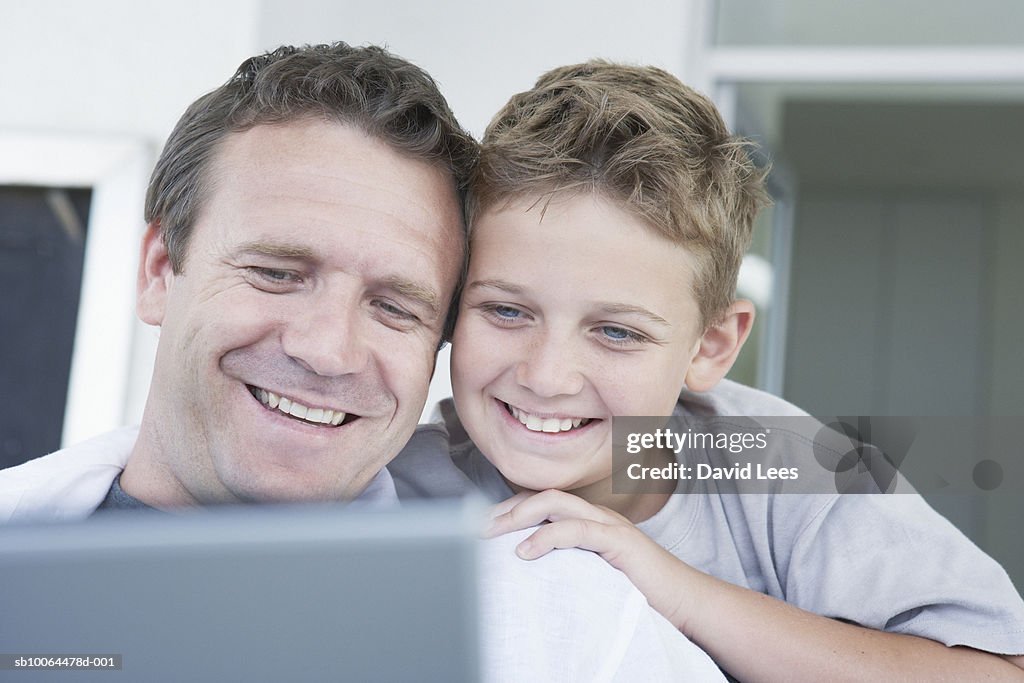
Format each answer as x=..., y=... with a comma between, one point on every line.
x=339, y=159
x=275, y=180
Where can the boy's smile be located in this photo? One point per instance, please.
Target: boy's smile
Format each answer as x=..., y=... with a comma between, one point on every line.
x=549, y=424
x=567, y=320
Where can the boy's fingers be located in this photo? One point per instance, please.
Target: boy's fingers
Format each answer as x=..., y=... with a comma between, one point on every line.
x=545, y=506
x=556, y=505
x=504, y=518
x=509, y=503
x=568, y=533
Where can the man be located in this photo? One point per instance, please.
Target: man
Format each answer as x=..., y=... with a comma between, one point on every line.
x=304, y=240
x=304, y=243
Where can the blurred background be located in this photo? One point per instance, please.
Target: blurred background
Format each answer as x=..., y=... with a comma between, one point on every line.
x=887, y=275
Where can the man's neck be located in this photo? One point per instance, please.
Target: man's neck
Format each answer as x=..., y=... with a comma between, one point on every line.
x=148, y=478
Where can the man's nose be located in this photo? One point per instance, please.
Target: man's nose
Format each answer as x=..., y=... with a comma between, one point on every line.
x=327, y=337
x=551, y=367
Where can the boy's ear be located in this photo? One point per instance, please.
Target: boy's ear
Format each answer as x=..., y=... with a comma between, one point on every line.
x=719, y=346
x=154, y=277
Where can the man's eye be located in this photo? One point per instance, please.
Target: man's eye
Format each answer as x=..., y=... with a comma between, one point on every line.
x=393, y=310
x=273, y=278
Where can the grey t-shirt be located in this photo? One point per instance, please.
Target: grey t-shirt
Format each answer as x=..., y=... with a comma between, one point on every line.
x=118, y=499
x=888, y=562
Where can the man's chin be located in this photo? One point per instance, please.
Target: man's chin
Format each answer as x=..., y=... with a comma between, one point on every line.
x=288, y=492
x=274, y=483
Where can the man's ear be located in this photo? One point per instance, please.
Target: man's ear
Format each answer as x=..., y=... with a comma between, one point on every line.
x=154, y=279
x=719, y=346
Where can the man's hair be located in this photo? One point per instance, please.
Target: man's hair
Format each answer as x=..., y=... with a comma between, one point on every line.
x=639, y=137
x=368, y=88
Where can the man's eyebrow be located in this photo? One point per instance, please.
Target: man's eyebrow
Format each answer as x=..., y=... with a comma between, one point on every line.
x=419, y=293
x=415, y=291
x=277, y=249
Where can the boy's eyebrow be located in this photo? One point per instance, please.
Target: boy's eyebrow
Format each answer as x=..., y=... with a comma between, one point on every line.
x=630, y=309
x=606, y=307
x=496, y=284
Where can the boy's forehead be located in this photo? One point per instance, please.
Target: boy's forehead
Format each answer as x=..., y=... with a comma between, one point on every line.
x=585, y=232
x=546, y=209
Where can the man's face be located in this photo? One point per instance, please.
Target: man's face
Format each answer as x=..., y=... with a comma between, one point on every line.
x=298, y=341
x=565, y=322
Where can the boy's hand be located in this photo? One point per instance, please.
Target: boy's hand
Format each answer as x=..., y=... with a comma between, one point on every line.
x=575, y=523
x=753, y=636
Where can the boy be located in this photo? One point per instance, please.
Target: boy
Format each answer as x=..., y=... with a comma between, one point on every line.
x=610, y=212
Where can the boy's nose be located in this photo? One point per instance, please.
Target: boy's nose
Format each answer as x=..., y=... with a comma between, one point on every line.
x=550, y=369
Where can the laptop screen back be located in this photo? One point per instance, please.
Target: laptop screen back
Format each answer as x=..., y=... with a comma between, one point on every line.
x=254, y=594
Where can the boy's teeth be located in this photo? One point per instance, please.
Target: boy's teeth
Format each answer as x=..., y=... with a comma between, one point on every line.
x=552, y=425
x=324, y=416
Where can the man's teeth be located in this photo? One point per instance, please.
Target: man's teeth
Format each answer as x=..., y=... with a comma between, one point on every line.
x=547, y=424
x=288, y=407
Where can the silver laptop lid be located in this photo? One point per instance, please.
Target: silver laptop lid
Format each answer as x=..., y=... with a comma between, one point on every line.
x=248, y=594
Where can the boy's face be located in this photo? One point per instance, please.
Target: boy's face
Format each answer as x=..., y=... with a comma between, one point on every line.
x=565, y=322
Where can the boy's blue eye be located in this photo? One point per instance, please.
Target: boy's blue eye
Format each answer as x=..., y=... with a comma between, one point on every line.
x=621, y=335
x=616, y=333
x=507, y=312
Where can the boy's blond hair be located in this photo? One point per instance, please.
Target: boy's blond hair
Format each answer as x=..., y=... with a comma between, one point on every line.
x=638, y=136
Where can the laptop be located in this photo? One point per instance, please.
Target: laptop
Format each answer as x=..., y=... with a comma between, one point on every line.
x=269, y=593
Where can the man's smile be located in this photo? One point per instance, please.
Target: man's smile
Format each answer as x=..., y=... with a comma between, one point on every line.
x=311, y=415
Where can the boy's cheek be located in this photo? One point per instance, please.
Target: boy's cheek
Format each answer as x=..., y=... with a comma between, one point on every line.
x=483, y=341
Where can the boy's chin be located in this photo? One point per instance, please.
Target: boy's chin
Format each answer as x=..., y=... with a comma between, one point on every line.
x=560, y=477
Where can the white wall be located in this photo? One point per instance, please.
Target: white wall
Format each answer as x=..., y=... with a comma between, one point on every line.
x=115, y=67
x=482, y=52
